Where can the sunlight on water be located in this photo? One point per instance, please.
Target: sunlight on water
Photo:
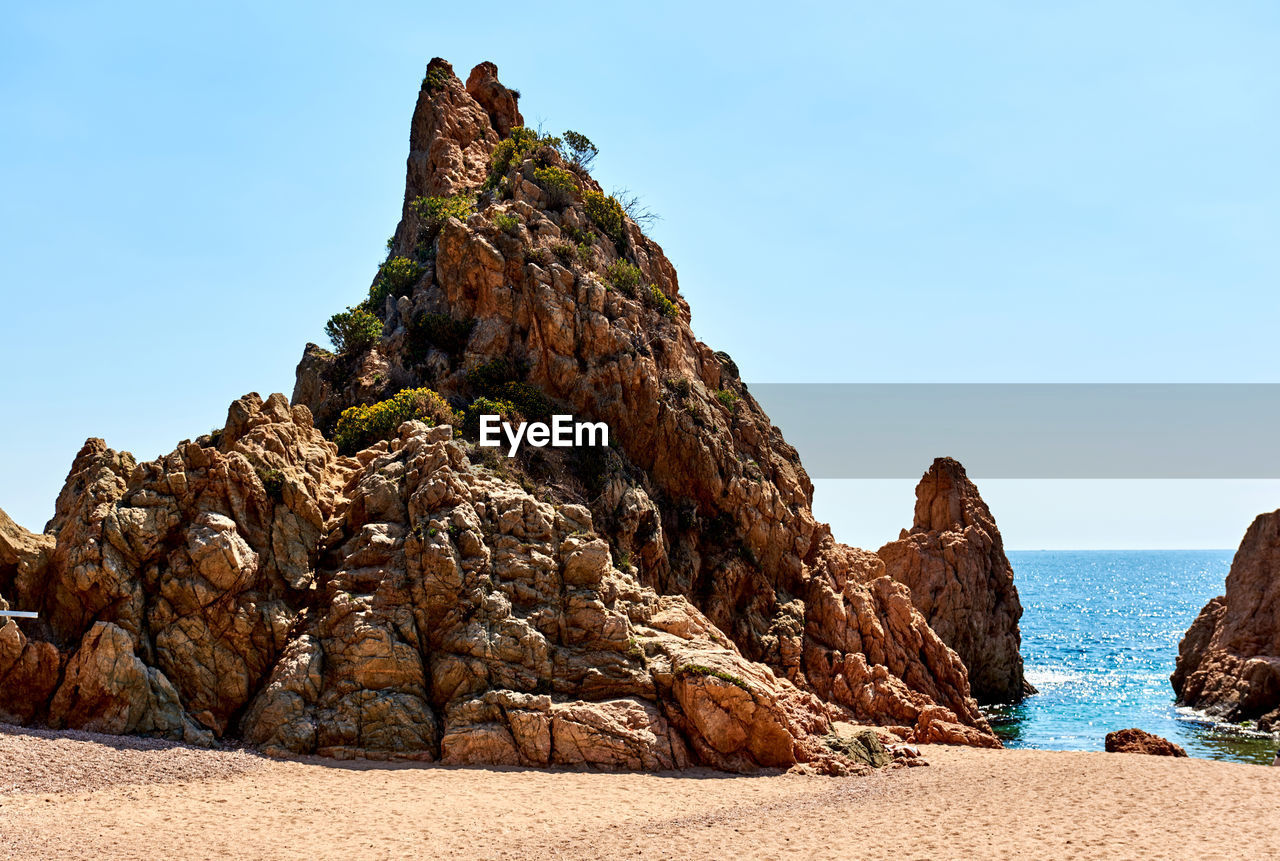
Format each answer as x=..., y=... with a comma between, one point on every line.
x=1100, y=632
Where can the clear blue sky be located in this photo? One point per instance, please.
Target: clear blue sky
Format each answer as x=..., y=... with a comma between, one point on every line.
x=970, y=191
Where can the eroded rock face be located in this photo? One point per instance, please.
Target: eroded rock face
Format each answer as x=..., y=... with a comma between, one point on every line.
x=667, y=601
x=1140, y=741
x=404, y=604
x=953, y=561
x=1229, y=660
x=703, y=494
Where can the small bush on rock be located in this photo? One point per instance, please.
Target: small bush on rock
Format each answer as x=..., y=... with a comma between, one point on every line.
x=623, y=276
x=441, y=331
x=728, y=399
x=606, y=213
x=665, y=306
x=395, y=278
x=488, y=378
x=484, y=406
x=436, y=79
x=579, y=150
x=353, y=329
x=361, y=426
x=434, y=211
x=272, y=482
x=559, y=185
x=528, y=400
x=564, y=252
x=700, y=670
x=507, y=223
x=514, y=149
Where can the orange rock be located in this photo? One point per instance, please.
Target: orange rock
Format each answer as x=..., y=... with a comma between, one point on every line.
x=1229, y=660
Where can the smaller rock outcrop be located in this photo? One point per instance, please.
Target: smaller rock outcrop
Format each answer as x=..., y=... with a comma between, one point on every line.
x=1140, y=741
x=954, y=563
x=1229, y=660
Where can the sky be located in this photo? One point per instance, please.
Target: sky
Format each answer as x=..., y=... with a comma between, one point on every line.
x=852, y=192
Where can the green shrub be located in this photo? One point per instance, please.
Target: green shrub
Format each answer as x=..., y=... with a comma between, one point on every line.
x=434, y=211
x=564, y=252
x=361, y=426
x=681, y=386
x=507, y=223
x=395, y=278
x=728, y=399
x=579, y=150
x=606, y=213
x=483, y=406
x=587, y=254
x=353, y=329
x=441, y=331
x=623, y=276
x=272, y=482
x=558, y=183
x=488, y=378
x=579, y=236
x=436, y=78
x=513, y=150
x=541, y=256
x=665, y=306
x=528, y=400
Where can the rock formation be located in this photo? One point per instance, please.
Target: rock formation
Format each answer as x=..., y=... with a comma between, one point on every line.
x=1229, y=660
x=1138, y=741
x=953, y=562
x=663, y=601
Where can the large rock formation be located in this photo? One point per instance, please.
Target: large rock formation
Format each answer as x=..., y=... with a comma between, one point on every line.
x=666, y=600
x=1229, y=660
x=953, y=561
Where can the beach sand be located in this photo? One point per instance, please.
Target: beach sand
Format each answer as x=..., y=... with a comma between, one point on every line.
x=71, y=795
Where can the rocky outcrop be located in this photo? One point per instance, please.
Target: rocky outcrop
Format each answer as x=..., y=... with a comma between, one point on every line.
x=407, y=603
x=1229, y=660
x=702, y=493
x=664, y=601
x=1139, y=741
x=953, y=561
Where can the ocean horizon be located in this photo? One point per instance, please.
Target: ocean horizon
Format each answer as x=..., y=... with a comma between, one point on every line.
x=1100, y=633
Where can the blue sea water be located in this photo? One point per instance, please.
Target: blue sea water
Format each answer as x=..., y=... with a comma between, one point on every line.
x=1100, y=632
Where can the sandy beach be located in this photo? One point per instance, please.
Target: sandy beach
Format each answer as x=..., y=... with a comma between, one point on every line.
x=72, y=796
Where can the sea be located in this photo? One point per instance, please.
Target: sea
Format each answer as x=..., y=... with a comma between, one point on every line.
x=1100, y=633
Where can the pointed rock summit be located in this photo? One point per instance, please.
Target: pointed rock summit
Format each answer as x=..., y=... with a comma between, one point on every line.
x=953, y=561
x=353, y=575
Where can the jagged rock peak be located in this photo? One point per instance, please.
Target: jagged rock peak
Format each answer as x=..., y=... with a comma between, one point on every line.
x=666, y=600
x=701, y=491
x=947, y=501
x=953, y=561
x=1229, y=659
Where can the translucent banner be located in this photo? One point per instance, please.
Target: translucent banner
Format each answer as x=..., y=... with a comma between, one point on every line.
x=1068, y=430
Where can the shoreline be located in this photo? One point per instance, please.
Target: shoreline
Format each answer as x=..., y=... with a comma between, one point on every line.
x=969, y=802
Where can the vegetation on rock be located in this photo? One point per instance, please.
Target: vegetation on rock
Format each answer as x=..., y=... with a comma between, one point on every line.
x=353, y=330
x=606, y=213
x=485, y=406
x=579, y=150
x=558, y=183
x=361, y=426
x=623, y=276
x=665, y=306
x=395, y=278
